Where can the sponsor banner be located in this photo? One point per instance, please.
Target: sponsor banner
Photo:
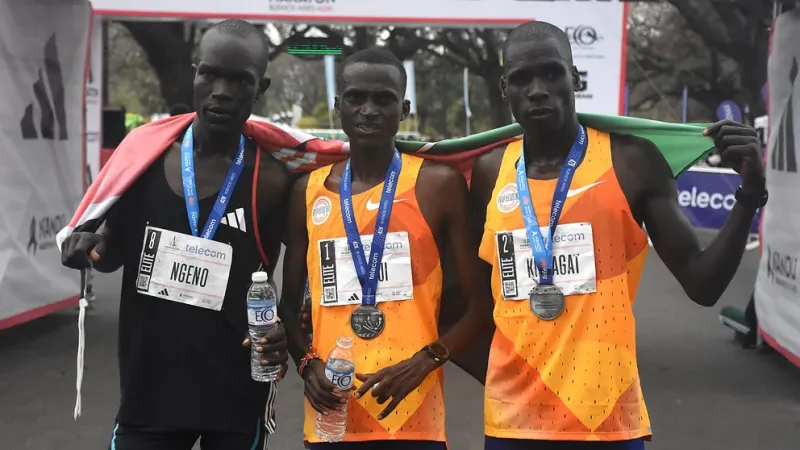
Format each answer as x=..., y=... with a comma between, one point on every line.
x=41, y=145
x=595, y=27
x=94, y=99
x=777, y=291
x=706, y=196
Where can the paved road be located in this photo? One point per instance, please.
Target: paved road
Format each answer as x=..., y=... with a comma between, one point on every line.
x=703, y=391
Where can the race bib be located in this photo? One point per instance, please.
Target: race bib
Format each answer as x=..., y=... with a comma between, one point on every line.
x=573, y=261
x=184, y=269
x=340, y=285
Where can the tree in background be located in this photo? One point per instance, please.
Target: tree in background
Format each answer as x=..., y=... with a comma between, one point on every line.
x=718, y=50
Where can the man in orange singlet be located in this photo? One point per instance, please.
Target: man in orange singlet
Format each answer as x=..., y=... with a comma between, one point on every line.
x=562, y=213
x=368, y=231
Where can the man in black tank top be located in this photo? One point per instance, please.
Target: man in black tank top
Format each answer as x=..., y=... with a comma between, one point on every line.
x=184, y=372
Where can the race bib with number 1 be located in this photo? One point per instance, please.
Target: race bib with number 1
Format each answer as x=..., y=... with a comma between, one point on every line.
x=340, y=285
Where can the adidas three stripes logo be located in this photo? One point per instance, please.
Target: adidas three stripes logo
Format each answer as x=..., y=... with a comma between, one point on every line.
x=235, y=219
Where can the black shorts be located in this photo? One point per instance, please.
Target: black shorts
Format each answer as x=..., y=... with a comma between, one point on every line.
x=523, y=444
x=127, y=437
x=380, y=445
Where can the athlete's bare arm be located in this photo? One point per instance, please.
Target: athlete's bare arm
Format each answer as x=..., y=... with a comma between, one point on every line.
x=318, y=390
x=450, y=207
x=101, y=249
x=295, y=271
x=273, y=191
x=443, y=197
x=484, y=175
x=651, y=190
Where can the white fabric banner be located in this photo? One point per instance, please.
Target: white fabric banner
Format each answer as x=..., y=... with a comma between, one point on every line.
x=596, y=28
x=94, y=99
x=43, y=47
x=777, y=290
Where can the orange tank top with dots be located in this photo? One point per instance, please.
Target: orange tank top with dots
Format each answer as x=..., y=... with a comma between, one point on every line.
x=575, y=377
x=409, y=294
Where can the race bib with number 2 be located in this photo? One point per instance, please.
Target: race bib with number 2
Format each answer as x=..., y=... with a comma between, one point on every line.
x=573, y=261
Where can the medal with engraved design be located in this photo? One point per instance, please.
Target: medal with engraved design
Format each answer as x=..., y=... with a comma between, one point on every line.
x=547, y=300
x=368, y=321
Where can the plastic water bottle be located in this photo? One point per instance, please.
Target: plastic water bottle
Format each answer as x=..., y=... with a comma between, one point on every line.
x=340, y=370
x=262, y=316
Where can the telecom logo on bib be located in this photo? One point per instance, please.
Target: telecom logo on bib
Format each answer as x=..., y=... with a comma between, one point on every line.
x=321, y=210
x=508, y=198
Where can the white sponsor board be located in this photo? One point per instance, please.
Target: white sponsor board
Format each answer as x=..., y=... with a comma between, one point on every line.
x=777, y=290
x=41, y=145
x=94, y=98
x=596, y=28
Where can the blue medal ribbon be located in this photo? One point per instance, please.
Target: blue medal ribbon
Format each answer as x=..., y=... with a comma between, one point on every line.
x=368, y=274
x=543, y=251
x=190, y=187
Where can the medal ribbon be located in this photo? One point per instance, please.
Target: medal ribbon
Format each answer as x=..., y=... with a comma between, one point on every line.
x=190, y=188
x=543, y=250
x=368, y=275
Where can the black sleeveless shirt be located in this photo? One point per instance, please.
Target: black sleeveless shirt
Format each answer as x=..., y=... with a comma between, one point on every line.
x=183, y=366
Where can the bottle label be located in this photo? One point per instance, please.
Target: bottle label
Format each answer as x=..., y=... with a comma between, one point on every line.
x=343, y=380
x=262, y=312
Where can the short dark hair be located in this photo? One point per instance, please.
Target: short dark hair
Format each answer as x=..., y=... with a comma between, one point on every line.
x=244, y=29
x=539, y=31
x=375, y=55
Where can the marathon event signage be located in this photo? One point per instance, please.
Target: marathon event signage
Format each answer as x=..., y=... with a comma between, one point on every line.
x=706, y=196
x=777, y=291
x=595, y=28
x=41, y=145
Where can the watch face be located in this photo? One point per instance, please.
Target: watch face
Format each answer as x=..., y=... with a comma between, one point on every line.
x=439, y=350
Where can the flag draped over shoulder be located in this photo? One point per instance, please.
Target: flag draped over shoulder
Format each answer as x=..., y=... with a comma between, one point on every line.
x=682, y=145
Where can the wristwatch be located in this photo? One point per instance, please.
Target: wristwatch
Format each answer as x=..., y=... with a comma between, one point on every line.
x=438, y=352
x=750, y=198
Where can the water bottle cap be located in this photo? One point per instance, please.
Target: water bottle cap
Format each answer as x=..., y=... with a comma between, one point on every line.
x=344, y=342
x=260, y=277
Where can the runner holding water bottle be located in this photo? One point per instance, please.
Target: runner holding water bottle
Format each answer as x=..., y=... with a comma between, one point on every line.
x=367, y=232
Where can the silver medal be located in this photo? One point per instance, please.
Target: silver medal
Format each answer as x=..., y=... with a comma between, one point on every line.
x=367, y=322
x=547, y=301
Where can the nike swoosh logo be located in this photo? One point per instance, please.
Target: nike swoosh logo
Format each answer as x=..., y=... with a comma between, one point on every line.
x=574, y=192
x=373, y=206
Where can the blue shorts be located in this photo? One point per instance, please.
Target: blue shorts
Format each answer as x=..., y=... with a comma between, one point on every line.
x=380, y=445
x=524, y=444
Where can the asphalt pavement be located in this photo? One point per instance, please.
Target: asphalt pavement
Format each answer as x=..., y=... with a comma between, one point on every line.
x=703, y=390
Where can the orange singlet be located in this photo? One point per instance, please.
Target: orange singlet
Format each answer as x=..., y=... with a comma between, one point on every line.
x=573, y=378
x=410, y=324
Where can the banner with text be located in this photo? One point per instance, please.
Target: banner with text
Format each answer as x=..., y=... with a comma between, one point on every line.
x=707, y=196
x=777, y=295
x=596, y=28
x=44, y=45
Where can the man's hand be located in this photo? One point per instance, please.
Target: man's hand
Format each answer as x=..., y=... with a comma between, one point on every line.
x=320, y=392
x=740, y=148
x=396, y=381
x=82, y=250
x=273, y=348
